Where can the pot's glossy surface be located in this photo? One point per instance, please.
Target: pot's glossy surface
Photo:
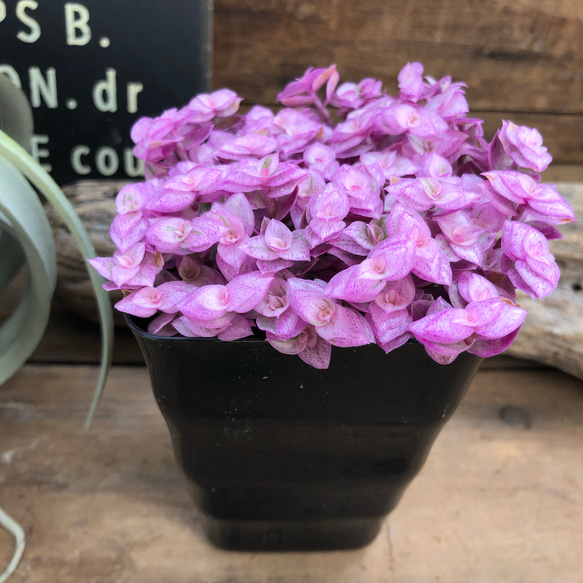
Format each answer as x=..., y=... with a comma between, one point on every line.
x=282, y=456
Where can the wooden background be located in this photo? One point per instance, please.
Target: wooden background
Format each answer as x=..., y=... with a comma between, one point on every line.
x=522, y=59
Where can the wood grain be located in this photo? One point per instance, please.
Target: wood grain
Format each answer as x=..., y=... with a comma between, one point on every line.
x=515, y=56
x=496, y=501
x=522, y=60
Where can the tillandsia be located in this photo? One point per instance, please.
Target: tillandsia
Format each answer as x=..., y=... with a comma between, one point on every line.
x=348, y=217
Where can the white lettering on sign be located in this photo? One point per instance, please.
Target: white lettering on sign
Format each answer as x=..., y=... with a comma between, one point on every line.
x=41, y=86
x=39, y=153
x=132, y=166
x=133, y=90
x=77, y=24
x=11, y=73
x=105, y=92
x=76, y=163
x=106, y=161
x=44, y=90
x=34, y=33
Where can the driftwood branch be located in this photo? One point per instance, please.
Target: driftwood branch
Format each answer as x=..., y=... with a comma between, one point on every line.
x=552, y=333
x=94, y=201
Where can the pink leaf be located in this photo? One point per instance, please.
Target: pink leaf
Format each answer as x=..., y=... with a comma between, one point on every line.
x=500, y=317
x=273, y=267
x=309, y=302
x=487, y=348
x=257, y=248
x=321, y=230
x=474, y=287
x=291, y=346
x=346, y=328
x=348, y=285
x=317, y=355
x=396, y=342
x=431, y=264
x=207, y=303
x=442, y=327
x=142, y=303
x=277, y=236
x=329, y=204
x=187, y=327
x=298, y=250
x=232, y=254
x=103, y=265
x=540, y=285
x=396, y=295
x=237, y=329
x=288, y=324
x=388, y=325
x=390, y=260
x=246, y=291
x=128, y=229
x=239, y=206
x=161, y=326
x=122, y=275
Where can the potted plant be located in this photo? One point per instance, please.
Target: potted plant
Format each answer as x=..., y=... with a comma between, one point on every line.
x=376, y=238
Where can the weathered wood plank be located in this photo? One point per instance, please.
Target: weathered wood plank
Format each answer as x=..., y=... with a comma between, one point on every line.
x=522, y=56
x=562, y=134
x=495, y=502
x=553, y=330
x=563, y=173
x=522, y=60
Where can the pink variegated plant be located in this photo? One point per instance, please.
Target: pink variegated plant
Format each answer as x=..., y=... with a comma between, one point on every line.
x=346, y=218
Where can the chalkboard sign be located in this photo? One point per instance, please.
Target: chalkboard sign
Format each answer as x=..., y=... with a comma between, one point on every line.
x=92, y=68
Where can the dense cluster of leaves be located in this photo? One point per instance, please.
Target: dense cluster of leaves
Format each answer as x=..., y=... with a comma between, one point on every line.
x=348, y=217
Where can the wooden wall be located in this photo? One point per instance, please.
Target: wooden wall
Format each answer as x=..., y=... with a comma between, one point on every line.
x=522, y=59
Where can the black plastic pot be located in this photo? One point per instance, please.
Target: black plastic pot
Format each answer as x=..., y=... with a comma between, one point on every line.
x=281, y=456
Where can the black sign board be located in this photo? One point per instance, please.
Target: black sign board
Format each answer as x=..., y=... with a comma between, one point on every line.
x=92, y=68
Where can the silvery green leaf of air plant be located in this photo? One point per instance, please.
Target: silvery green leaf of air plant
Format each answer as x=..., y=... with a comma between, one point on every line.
x=22, y=215
x=25, y=164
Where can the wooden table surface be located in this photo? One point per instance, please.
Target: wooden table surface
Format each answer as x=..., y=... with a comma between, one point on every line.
x=499, y=500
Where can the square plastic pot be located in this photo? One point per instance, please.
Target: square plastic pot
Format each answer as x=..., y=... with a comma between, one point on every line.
x=281, y=456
